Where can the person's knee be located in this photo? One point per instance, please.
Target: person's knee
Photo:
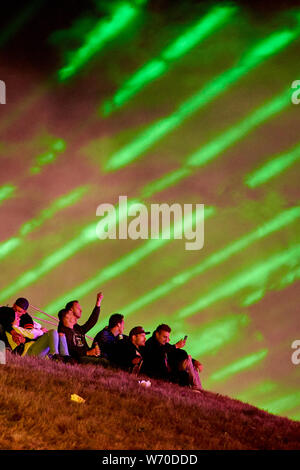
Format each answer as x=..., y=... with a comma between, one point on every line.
x=53, y=333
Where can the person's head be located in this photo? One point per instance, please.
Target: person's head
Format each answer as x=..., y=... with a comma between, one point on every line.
x=8, y=311
x=162, y=334
x=138, y=336
x=61, y=313
x=75, y=306
x=67, y=318
x=20, y=306
x=116, y=323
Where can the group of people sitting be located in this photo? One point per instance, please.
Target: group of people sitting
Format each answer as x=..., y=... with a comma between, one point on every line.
x=154, y=357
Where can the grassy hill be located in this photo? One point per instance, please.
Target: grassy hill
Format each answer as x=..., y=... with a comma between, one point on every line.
x=36, y=412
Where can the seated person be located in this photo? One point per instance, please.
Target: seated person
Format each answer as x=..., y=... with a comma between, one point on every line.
x=75, y=307
x=7, y=317
x=36, y=342
x=75, y=335
x=128, y=354
x=110, y=335
x=167, y=362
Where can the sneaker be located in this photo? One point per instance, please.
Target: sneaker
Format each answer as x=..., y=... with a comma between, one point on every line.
x=56, y=357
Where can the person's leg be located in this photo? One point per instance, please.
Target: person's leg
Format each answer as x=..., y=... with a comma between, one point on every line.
x=45, y=344
x=63, y=347
x=2, y=332
x=3, y=337
x=194, y=377
x=2, y=352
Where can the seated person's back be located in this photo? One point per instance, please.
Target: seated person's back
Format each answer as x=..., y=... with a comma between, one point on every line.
x=110, y=335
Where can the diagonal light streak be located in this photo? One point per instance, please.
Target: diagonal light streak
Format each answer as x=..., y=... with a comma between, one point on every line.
x=104, y=31
x=256, y=273
x=6, y=192
x=58, y=146
x=295, y=417
x=59, y=204
x=273, y=167
x=19, y=20
x=277, y=223
x=214, y=336
x=215, y=18
x=282, y=404
x=87, y=235
x=244, y=363
x=256, y=296
x=124, y=263
x=220, y=144
x=264, y=388
x=265, y=49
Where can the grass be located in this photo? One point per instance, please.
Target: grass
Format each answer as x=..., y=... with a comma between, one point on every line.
x=36, y=413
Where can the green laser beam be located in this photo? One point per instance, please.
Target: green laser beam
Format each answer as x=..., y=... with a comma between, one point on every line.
x=254, y=297
x=130, y=152
x=242, y=364
x=215, y=18
x=282, y=404
x=104, y=31
x=273, y=167
x=125, y=262
x=87, y=235
x=19, y=20
x=264, y=388
x=295, y=417
x=290, y=278
x=224, y=141
x=277, y=223
x=57, y=147
x=285, y=281
x=70, y=248
x=59, y=204
x=220, y=144
x=214, y=336
x=256, y=273
x=8, y=246
x=6, y=192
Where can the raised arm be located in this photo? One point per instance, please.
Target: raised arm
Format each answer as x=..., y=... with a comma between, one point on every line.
x=91, y=322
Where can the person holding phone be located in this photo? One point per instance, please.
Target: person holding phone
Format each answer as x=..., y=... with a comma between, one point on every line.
x=165, y=361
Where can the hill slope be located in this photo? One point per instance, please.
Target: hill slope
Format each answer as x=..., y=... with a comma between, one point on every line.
x=36, y=412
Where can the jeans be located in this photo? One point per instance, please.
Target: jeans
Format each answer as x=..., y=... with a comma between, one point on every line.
x=3, y=335
x=193, y=374
x=49, y=343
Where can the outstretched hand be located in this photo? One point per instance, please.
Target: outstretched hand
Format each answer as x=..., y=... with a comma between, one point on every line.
x=180, y=344
x=99, y=298
x=198, y=365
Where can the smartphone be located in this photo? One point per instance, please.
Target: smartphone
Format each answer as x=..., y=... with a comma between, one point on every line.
x=185, y=338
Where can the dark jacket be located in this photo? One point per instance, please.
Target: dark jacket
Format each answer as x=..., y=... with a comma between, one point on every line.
x=7, y=317
x=107, y=343
x=163, y=362
x=156, y=359
x=125, y=352
x=75, y=337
